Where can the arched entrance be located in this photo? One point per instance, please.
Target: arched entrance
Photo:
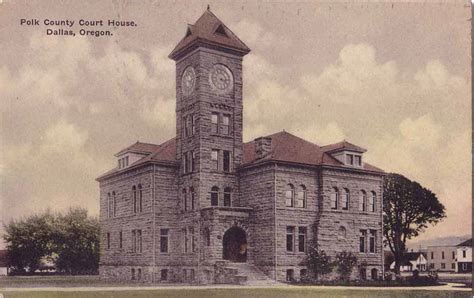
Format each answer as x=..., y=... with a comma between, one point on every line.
x=234, y=245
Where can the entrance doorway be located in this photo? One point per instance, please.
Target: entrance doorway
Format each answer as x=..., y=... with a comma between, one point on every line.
x=234, y=245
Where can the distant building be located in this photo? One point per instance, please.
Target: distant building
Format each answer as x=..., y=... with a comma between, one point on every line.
x=3, y=262
x=464, y=256
x=441, y=258
x=412, y=261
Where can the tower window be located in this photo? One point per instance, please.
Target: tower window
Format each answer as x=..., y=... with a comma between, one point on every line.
x=140, y=198
x=214, y=123
x=214, y=196
x=120, y=239
x=108, y=240
x=164, y=236
x=362, y=240
x=215, y=159
x=372, y=201
x=225, y=125
x=226, y=161
x=193, y=124
x=192, y=194
x=134, y=193
x=185, y=200
x=227, y=196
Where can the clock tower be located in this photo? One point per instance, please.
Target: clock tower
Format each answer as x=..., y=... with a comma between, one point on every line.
x=208, y=116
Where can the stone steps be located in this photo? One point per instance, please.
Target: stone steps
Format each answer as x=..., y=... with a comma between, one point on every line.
x=248, y=274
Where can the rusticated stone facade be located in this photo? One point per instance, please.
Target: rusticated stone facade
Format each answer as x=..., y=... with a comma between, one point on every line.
x=187, y=209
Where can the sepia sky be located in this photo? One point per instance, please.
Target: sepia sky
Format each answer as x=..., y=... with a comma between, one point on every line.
x=393, y=78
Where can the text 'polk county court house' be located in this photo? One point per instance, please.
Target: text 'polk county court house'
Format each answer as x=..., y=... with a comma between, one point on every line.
x=204, y=207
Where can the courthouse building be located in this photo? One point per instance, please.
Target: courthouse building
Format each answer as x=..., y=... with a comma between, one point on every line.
x=204, y=207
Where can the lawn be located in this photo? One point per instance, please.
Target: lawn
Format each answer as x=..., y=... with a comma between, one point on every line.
x=93, y=281
x=242, y=293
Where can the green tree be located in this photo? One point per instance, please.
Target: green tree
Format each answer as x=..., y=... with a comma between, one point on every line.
x=317, y=262
x=345, y=262
x=76, y=242
x=408, y=210
x=70, y=240
x=28, y=240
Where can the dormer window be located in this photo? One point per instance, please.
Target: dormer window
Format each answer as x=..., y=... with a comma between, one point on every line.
x=353, y=159
x=123, y=162
x=220, y=30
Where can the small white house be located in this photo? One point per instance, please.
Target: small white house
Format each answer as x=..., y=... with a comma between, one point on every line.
x=464, y=256
x=412, y=261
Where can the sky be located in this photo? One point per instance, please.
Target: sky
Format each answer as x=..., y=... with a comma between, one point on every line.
x=391, y=77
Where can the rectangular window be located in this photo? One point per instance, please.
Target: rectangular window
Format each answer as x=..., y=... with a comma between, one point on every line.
x=215, y=159
x=226, y=161
x=193, y=161
x=442, y=255
x=126, y=161
x=189, y=162
x=134, y=241
x=372, y=242
x=432, y=255
x=349, y=159
x=108, y=240
x=185, y=127
x=443, y=266
x=214, y=123
x=225, y=125
x=120, y=163
x=227, y=198
x=362, y=240
x=139, y=240
x=185, y=163
x=345, y=200
x=463, y=253
x=290, y=236
x=164, y=274
x=358, y=160
x=301, y=239
x=185, y=236
x=453, y=266
x=192, y=198
x=454, y=255
x=372, y=202
x=133, y=273
x=193, y=240
x=139, y=273
x=120, y=239
x=189, y=124
x=185, y=200
x=192, y=275
x=164, y=236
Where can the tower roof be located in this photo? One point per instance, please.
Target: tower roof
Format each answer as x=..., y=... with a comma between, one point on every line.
x=209, y=31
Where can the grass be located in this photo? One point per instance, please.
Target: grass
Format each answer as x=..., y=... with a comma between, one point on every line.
x=242, y=293
x=93, y=281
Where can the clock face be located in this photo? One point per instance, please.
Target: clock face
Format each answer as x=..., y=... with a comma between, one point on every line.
x=221, y=79
x=188, y=80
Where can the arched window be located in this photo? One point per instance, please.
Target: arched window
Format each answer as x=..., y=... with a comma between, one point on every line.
x=363, y=201
x=193, y=195
x=289, y=195
x=372, y=201
x=214, y=196
x=114, y=201
x=108, y=205
x=345, y=199
x=228, y=196
x=140, y=198
x=342, y=232
x=301, y=197
x=134, y=193
x=185, y=200
x=335, y=198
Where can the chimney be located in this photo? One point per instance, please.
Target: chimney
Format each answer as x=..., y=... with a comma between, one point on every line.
x=263, y=147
